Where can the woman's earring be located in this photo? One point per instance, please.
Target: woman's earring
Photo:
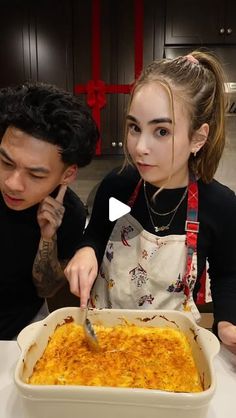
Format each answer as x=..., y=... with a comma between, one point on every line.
x=195, y=153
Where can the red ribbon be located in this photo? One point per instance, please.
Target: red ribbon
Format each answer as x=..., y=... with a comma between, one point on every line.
x=96, y=89
x=96, y=93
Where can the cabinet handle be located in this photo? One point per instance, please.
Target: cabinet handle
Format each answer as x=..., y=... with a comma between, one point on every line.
x=120, y=144
x=229, y=31
x=222, y=31
x=113, y=144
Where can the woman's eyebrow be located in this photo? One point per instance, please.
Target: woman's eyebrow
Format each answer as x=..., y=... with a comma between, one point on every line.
x=151, y=122
x=160, y=120
x=132, y=118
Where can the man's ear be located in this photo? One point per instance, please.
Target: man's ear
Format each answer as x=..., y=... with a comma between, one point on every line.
x=200, y=137
x=69, y=174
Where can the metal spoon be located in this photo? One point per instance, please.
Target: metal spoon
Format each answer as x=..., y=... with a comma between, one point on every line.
x=89, y=332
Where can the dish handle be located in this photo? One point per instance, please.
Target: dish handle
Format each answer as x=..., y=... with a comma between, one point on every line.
x=25, y=336
x=213, y=344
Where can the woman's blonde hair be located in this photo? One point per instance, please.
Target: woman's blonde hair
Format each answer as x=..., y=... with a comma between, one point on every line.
x=200, y=84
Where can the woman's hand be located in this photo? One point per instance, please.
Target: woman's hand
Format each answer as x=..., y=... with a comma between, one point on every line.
x=50, y=214
x=81, y=273
x=227, y=334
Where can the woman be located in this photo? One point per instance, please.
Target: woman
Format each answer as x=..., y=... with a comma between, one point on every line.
x=181, y=218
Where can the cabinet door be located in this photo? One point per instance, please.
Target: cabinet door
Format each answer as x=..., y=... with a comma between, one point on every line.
x=51, y=42
x=118, y=59
x=230, y=22
x=14, y=43
x=194, y=22
x=153, y=30
x=117, y=56
x=117, y=67
x=114, y=45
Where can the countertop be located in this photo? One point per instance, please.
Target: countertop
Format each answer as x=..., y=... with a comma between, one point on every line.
x=222, y=404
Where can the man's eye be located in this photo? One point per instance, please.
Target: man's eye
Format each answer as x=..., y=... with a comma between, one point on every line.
x=36, y=177
x=6, y=163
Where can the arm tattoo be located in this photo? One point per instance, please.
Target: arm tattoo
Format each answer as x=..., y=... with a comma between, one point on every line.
x=48, y=276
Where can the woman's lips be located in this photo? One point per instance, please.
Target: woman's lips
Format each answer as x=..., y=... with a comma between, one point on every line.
x=144, y=167
x=12, y=200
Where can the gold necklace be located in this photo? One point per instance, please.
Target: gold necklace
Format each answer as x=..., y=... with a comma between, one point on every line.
x=162, y=227
x=165, y=213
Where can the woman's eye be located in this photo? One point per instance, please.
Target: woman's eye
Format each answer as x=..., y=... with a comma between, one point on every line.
x=162, y=132
x=133, y=128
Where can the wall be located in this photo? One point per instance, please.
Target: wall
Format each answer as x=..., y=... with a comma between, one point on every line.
x=226, y=172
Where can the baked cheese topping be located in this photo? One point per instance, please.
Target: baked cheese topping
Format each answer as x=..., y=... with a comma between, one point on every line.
x=130, y=357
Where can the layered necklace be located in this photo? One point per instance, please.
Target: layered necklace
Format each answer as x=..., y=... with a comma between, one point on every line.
x=173, y=211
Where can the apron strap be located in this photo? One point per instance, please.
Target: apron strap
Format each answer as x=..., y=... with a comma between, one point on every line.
x=135, y=193
x=191, y=228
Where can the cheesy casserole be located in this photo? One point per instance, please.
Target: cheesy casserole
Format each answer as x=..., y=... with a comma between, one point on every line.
x=130, y=357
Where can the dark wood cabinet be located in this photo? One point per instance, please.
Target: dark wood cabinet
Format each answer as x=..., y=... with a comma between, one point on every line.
x=36, y=42
x=201, y=22
x=118, y=60
x=51, y=42
x=14, y=43
x=117, y=67
x=230, y=22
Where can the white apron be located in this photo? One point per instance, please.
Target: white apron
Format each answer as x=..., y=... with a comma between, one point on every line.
x=143, y=271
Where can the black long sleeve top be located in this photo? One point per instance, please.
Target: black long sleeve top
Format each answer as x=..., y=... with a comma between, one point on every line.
x=20, y=236
x=216, y=238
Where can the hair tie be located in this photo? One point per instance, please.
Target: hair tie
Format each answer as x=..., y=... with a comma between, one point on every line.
x=190, y=58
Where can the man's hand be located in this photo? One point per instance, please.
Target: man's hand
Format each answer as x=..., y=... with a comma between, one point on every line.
x=227, y=334
x=50, y=214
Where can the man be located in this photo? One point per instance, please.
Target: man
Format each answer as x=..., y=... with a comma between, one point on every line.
x=46, y=134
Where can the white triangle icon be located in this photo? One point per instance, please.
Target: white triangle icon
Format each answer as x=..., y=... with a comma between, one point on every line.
x=117, y=209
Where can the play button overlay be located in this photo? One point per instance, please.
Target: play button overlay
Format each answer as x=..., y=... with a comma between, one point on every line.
x=117, y=209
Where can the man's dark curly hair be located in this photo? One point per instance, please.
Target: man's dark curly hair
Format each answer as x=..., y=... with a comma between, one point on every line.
x=52, y=115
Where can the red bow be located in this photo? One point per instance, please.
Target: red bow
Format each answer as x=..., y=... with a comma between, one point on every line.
x=96, y=93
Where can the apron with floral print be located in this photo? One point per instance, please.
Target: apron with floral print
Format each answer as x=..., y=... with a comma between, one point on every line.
x=141, y=270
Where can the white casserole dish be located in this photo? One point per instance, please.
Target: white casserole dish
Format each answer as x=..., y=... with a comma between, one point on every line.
x=101, y=402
